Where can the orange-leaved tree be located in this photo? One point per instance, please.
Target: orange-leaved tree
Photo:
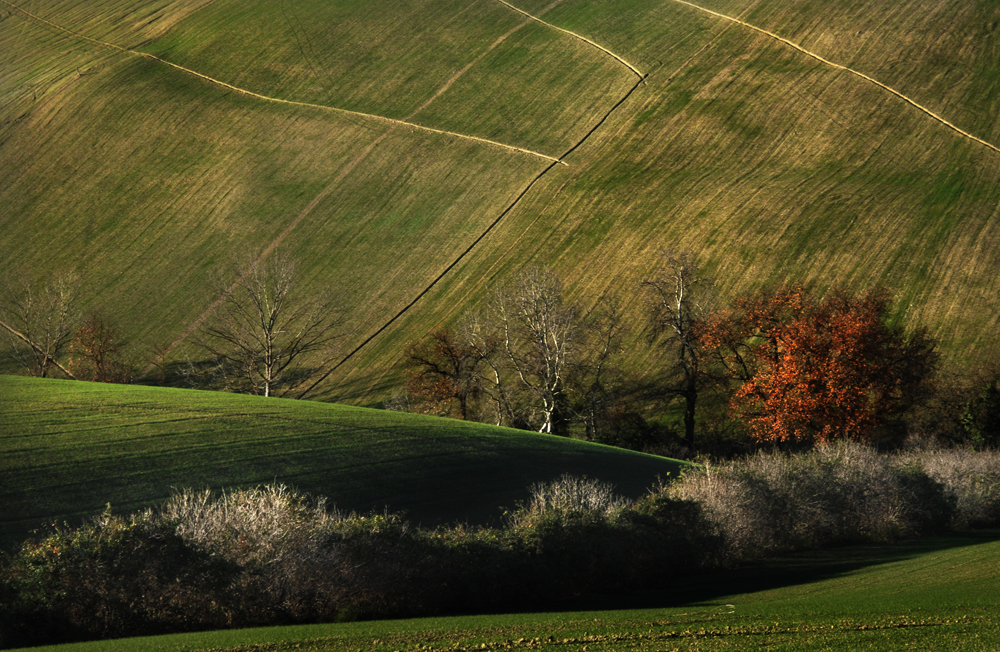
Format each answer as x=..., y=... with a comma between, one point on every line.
x=816, y=369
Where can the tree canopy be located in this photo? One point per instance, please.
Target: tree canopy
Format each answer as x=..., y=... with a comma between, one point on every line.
x=816, y=369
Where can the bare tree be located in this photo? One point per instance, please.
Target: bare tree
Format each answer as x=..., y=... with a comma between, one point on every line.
x=677, y=304
x=540, y=334
x=265, y=325
x=605, y=327
x=484, y=337
x=40, y=321
x=98, y=352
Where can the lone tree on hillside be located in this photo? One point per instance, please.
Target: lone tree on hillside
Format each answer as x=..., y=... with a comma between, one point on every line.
x=266, y=324
x=820, y=369
x=39, y=321
x=678, y=304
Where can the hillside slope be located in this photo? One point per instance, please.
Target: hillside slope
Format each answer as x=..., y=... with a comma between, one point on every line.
x=148, y=144
x=68, y=448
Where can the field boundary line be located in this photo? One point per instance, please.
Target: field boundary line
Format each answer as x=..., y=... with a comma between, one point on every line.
x=475, y=243
x=328, y=188
x=516, y=242
x=402, y=311
x=510, y=207
x=277, y=100
x=838, y=66
x=576, y=36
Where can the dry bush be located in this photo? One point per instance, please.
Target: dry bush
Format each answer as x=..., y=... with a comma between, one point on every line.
x=838, y=493
x=299, y=560
x=249, y=526
x=574, y=494
x=972, y=477
x=271, y=555
x=576, y=535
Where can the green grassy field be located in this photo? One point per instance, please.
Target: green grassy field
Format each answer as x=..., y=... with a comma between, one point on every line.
x=937, y=594
x=770, y=165
x=68, y=448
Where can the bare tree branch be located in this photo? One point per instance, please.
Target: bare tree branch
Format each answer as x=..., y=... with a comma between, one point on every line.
x=264, y=326
x=37, y=349
x=678, y=302
x=43, y=319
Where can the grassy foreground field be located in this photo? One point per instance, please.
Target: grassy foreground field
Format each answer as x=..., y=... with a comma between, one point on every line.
x=937, y=594
x=68, y=448
x=404, y=156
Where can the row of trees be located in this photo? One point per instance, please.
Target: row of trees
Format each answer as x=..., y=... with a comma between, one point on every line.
x=43, y=325
x=255, y=340
x=791, y=366
x=530, y=359
x=787, y=364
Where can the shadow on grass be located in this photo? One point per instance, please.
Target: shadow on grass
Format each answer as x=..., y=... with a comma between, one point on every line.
x=784, y=571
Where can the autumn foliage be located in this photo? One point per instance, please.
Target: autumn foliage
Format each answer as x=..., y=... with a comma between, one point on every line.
x=819, y=369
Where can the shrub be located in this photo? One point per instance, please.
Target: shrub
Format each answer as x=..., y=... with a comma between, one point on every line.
x=299, y=561
x=114, y=576
x=271, y=555
x=839, y=493
x=972, y=478
x=586, y=538
x=570, y=495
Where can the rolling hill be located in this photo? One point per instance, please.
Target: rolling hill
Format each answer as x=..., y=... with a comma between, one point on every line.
x=69, y=448
x=409, y=157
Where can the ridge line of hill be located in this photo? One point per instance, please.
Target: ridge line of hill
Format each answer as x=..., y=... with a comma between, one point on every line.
x=838, y=66
x=277, y=100
x=577, y=36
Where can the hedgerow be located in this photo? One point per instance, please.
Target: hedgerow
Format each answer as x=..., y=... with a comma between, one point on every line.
x=271, y=555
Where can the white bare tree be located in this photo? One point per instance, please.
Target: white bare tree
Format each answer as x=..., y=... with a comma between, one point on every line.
x=539, y=337
x=266, y=324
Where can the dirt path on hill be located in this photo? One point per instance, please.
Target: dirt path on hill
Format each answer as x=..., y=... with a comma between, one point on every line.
x=277, y=100
x=510, y=207
x=454, y=78
x=838, y=66
x=576, y=36
x=340, y=177
x=517, y=200
x=347, y=169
